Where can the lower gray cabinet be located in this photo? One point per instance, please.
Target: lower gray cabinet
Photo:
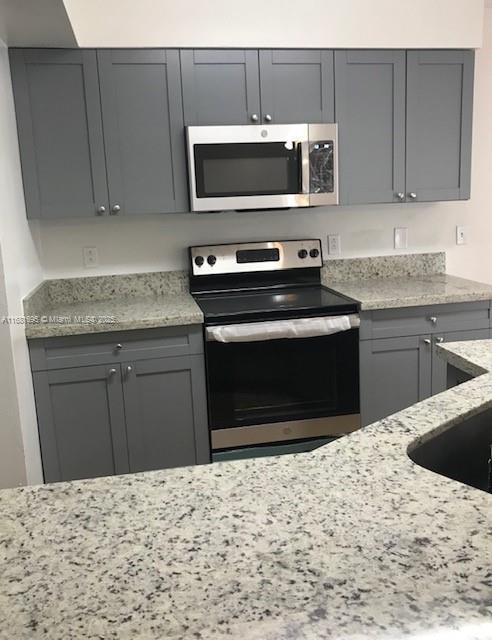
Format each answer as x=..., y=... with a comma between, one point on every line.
x=166, y=413
x=439, y=365
x=81, y=422
x=394, y=374
x=123, y=415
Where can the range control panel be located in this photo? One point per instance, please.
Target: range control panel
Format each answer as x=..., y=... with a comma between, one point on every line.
x=255, y=256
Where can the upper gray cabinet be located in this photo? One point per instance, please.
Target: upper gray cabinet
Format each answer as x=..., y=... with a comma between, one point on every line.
x=143, y=130
x=220, y=86
x=405, y=125
x=297, y=86
x=370, y=111
x=60, y=132
x=439, y=124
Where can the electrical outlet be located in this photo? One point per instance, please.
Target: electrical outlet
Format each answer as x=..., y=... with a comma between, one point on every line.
x=91, y=257
x=334, y=245
x=460, y=235
x=401, y=238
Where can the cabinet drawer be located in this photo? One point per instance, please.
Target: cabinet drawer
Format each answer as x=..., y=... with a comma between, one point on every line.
x=408, y=321
x=106, y=348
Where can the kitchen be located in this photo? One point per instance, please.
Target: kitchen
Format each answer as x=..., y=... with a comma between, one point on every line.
x=171, y=358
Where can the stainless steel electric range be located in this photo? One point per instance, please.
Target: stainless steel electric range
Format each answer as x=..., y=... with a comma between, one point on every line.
x=281, y=350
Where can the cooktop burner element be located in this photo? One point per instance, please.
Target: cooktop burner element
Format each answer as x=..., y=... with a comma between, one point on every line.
x=262, y=280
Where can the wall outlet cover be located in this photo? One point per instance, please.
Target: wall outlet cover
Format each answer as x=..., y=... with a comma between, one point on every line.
x=401, y=238
x=334, y=245
x=91, y=257
x=460, y=234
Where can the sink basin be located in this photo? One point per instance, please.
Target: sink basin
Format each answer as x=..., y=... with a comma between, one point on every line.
x=461, y=453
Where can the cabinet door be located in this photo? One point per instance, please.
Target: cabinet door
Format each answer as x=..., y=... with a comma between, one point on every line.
x=439, y=365
x=143, y=130
x=370, y=111
x=439, y=124
x=394, y=374
x=81, y=422
x=166, y=412
x=60, y=132
x=297, y=86
x=220, y=86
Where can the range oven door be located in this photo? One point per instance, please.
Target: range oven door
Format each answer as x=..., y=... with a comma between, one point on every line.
x=282, y=389
x=261, y=167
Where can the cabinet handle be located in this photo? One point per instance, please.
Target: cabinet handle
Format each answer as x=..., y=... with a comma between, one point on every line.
x=401, y=196
x=427, y=341
x=412, y=195
x=129, y=369
x=101, y=210
x=439, y=340
x=254, y=117
x=433, y=319
x=119, y=346
x=268, y=117
x=115, y=210
x=111, y=373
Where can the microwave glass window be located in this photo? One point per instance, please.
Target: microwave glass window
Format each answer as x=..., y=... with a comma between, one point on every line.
x=247, y=169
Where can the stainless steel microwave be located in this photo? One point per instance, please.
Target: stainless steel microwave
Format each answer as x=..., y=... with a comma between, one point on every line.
x=262, y=167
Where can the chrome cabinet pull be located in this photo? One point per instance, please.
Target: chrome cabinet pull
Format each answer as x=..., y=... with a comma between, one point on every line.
x=115, y=209
x=111, y=373
x=254, y=117
x=268, y=117
x=412, y=195
x=400, y=195
x=119, y=346
x=128, y=370
x=433, y=319
x=427, y=341
x=439, y=340
x=101, y=210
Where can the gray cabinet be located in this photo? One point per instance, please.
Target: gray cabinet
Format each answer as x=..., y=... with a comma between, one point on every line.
x=399, y=364
x=220, y=86
x=439, y=124
x=405, y=125
x=143, y=130
x=81, y=422
x=165, y=412
x=60, y=132
x=297, y=86
x=146, y=412
x=439, y=365
x=395, y=373
x=370, y=111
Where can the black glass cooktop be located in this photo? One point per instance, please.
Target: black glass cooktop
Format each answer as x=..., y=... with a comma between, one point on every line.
x=270, y=304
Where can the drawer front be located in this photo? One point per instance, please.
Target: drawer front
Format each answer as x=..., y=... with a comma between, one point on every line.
x=409, y=321
x=107, y=348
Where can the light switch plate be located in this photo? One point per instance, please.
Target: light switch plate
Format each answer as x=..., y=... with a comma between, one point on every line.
x=460, y=234
x=401, y=238
x=334, y=245
x=91, y=257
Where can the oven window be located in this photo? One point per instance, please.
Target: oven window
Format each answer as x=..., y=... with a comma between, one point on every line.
x=247, y=169
x=282, y=380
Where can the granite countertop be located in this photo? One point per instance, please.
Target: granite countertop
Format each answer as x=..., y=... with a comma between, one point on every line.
x=411, y=291
x=351, y=541
x=110, y=303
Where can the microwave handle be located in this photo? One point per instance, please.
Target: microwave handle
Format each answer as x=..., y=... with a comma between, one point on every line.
x=305, y=166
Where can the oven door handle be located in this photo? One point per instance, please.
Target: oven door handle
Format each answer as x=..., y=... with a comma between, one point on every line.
x=278, y=329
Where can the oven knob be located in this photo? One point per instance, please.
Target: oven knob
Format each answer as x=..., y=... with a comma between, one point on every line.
x=199, y=260
x=302, y=253
x=211, y=260
x=314, y=253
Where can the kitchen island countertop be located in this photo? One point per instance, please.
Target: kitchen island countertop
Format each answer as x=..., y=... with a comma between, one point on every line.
x=351, y=541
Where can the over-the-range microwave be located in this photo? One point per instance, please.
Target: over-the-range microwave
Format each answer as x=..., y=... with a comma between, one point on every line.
x=262, y=166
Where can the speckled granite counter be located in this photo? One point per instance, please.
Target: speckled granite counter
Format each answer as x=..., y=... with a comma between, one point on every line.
x=352, y=541
x=110, y=303
x=386, y=282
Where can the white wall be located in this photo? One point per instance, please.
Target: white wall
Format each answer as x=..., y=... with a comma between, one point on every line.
x=159, y=242
x=277, y=23
x=22, y=272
